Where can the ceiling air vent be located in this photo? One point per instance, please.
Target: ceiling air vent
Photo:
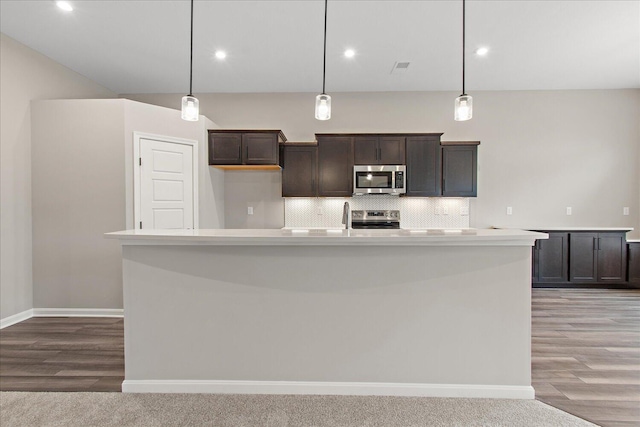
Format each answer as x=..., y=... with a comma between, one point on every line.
x=400, y=67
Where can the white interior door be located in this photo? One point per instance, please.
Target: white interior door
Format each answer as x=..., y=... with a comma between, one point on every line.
x=166, y=197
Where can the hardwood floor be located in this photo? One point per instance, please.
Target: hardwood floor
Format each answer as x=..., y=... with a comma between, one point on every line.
x=62, y=354
x=585, y=354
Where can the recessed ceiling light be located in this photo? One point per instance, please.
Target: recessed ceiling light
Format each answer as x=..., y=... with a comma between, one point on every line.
x=64, y=6
x=349, y=53
x=482, y=51
x=221, y=54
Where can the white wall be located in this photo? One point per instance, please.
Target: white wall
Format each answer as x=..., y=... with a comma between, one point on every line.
x=83, y=187
x=25, y=75
x=541, y=151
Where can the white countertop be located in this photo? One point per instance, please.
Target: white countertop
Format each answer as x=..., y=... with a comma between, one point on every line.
x=568, y=228
x=329, y=237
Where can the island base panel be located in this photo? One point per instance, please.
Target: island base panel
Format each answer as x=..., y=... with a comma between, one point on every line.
x=394, y=320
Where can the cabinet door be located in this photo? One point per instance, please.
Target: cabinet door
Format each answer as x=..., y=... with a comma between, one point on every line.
x=260, y=149
x=365, y=150
x=391, y=150
x=552, y=256
x=634, y=263
x=423, y=166
x=583, y=259
x=335, y=166
x=299, y=171
x=225, y=148
x=459, y=171
x=612, y=257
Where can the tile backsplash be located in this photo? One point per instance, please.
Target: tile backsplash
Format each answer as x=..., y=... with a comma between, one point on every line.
x=415, y=212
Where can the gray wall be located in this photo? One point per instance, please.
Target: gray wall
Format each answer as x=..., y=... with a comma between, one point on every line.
x=25, y=75
x=261, y=190
x=541, y=151
x=83, y=187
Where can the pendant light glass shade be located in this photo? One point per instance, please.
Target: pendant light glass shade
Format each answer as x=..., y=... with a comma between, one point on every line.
x=463, y=108
x=190, y=108
x=323, y=107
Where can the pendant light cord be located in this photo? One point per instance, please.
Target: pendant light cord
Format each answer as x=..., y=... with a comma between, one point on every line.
x=191, y=53
x=324, y=63
x=463, y=45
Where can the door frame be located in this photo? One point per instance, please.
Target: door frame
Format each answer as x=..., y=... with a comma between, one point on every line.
x=137, y=136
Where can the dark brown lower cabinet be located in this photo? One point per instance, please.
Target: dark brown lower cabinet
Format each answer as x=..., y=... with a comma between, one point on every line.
x=551, y=259
x=612, y=257
x=633, y=258
x=581, y=259
x=299, y=170
x=584, y=257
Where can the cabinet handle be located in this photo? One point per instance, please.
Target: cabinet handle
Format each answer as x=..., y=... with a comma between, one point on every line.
x=598, y=243
x=240, y=152
x=379, y=153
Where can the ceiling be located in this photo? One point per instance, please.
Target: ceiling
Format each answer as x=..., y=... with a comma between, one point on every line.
x=276, y=46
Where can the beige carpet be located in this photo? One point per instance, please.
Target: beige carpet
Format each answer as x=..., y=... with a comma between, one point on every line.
x=149, y=410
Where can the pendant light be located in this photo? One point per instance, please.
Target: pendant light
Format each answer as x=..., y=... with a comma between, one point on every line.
x=323, y=101
x=464, y=103
x=190, y=104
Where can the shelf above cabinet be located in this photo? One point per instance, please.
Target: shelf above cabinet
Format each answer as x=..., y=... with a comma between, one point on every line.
x=247, y=167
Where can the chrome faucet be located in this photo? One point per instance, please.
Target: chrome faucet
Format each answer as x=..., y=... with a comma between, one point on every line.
x=345, y=215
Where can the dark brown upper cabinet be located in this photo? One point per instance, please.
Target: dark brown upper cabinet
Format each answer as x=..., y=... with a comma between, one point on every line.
x=379, y=150
x=335, y=166
x=244, y=147
x=299, y=170
x=459, y=169
x=424, y=167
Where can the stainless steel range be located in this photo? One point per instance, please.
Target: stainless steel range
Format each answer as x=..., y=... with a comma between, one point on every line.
x=375, y=219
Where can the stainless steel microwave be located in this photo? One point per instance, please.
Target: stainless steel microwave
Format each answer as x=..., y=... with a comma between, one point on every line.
x=379, y=179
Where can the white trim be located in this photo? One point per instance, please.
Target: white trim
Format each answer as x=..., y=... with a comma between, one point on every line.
x=329, y=388
x=78, y=312
x=16, y=318
x=136, y=173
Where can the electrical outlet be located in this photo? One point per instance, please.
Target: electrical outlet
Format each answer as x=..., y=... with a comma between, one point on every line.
x=250, y=210
x=625, y=210
x=438, y=210
x=319, y=212
x=464, y=210
x=569, y=210
x=509, y=210
x=445, y=210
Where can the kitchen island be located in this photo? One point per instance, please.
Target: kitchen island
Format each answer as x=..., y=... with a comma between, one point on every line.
x=364, y=312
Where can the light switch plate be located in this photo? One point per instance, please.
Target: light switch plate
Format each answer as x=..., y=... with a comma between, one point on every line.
x=509, y=210
x=445, y=210
x=250, y=210
x=569, y=210
x=625, y=210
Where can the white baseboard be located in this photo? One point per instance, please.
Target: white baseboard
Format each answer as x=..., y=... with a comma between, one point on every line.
x=328, y=388
x=78, y=312
x=60, y=312
x=16, y=318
